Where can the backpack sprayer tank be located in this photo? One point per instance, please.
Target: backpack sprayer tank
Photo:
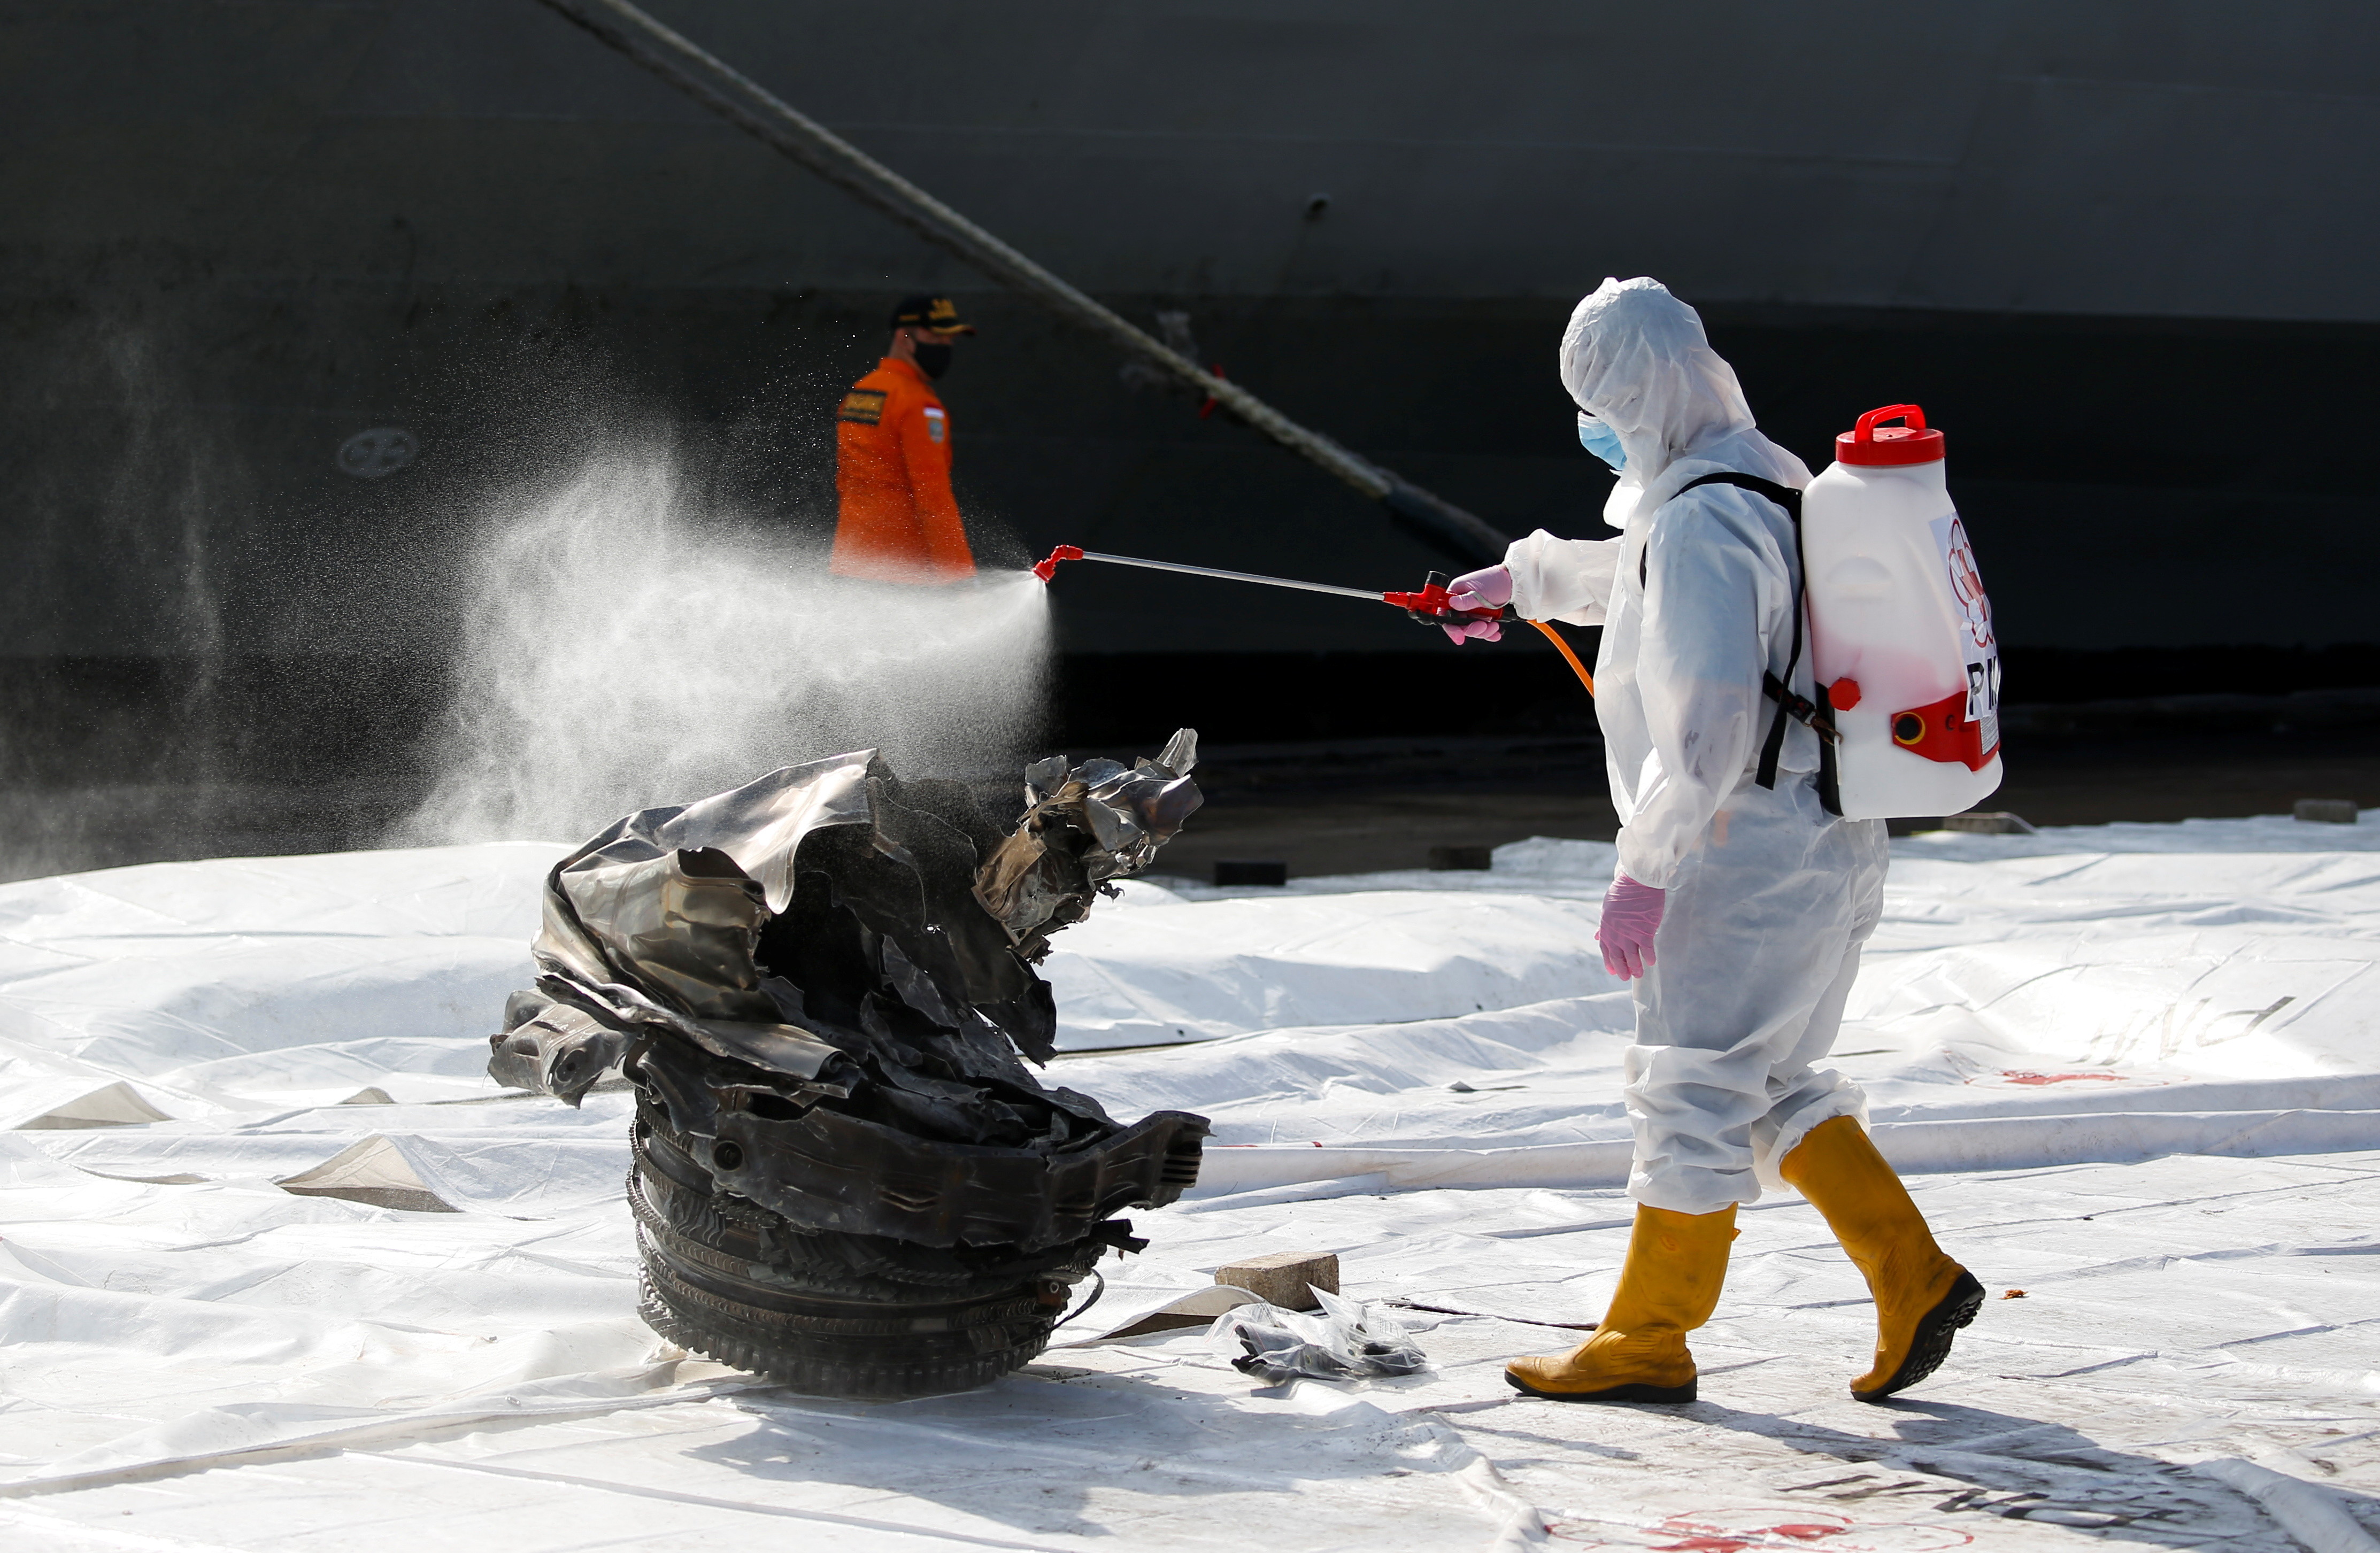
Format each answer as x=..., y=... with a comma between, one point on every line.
x=1900, y=632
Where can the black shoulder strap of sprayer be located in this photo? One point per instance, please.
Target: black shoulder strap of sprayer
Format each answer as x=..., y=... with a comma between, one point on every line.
x=1818, y=716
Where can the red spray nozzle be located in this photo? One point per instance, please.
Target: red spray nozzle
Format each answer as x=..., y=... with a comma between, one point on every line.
x=1046, y=570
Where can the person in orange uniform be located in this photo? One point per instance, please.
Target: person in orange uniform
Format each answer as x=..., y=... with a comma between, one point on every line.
x=898, y=522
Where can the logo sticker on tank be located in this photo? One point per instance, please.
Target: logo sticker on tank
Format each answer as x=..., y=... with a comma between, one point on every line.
x=1983, y=649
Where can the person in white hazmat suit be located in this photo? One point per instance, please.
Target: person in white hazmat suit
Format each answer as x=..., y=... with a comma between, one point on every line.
x=1738, y=909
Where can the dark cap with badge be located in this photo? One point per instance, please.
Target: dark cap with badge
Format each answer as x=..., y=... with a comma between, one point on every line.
x=930, y=312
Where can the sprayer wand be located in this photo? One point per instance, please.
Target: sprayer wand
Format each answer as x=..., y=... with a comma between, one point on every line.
x=1432, y=604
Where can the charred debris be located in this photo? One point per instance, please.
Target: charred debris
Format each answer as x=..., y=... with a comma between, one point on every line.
x=820, y=986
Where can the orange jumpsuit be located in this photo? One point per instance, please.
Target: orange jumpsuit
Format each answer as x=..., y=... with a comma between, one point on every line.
x=899, y=521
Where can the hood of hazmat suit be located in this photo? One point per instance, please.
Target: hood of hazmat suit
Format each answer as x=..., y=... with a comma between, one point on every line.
x=1768, y=895
x=1677, y=680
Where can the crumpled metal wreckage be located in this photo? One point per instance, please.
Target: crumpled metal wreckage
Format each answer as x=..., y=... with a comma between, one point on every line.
x=820, y=985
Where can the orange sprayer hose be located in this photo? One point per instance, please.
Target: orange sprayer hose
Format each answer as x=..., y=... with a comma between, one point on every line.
x=1572, y=658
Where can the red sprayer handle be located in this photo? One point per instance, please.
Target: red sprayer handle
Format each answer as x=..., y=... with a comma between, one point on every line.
x=1434, y=605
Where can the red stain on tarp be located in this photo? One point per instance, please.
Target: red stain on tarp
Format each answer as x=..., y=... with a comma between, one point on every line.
x=2061, y=1078
x=1745, y=1530
x=1752, y=1536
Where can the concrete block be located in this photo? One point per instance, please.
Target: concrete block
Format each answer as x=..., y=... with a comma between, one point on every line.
x=1987, y=824
x=2326, y=811
x=1464, y=859
x=1287, y=1278
x=1197, y=1308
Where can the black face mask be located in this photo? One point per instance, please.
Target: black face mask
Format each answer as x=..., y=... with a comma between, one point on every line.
x=933, y=359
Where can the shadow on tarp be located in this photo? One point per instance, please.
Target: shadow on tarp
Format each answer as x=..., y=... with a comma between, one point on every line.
x=1030, y=1450
x=2024, y=1469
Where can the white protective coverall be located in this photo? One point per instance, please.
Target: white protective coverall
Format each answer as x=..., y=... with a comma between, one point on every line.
x=1769, y=897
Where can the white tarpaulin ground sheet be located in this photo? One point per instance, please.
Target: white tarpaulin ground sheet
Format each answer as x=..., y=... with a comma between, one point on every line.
x=279, y=1267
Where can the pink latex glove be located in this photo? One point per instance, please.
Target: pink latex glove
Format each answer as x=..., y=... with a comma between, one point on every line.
x=1632, y=915
x=1490, y=588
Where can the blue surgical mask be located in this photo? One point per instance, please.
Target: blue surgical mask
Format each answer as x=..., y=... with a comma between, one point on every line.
x=1599, y=439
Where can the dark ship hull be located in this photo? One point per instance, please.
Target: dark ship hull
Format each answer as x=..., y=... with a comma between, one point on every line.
x=2095, y=247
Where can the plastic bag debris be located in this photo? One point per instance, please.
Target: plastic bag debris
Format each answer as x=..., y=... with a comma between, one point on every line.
x=1346, y=1341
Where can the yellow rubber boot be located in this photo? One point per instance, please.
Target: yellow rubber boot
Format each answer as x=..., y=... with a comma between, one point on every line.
x=1667, y=1287
x=1922, y=1297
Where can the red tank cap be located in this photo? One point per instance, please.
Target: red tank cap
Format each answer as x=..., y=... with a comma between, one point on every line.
x=1869, y=443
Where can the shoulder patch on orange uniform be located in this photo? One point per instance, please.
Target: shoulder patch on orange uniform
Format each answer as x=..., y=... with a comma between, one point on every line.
x=864, y=406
